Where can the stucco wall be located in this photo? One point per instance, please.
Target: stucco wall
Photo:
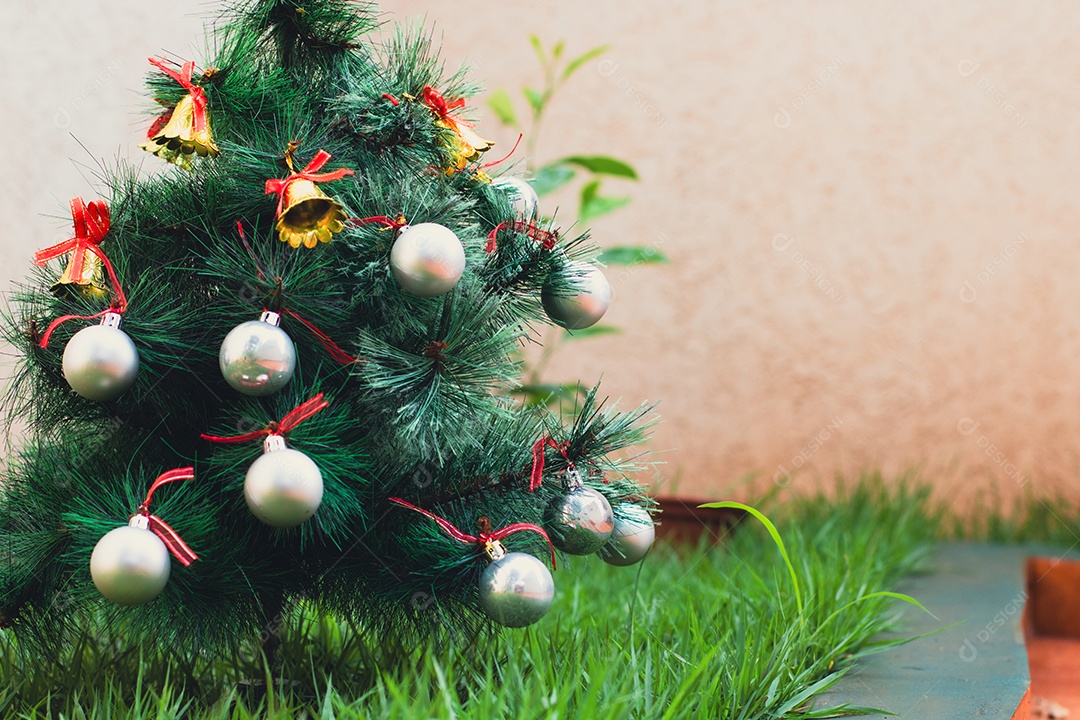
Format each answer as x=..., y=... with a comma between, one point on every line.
x=870, y=210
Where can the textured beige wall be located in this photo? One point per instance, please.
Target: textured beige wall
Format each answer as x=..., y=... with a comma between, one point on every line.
x=870, y=210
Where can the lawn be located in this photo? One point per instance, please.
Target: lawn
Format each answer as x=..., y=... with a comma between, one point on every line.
x=693, y=632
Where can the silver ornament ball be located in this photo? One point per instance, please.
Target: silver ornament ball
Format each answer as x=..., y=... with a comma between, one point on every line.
x=632, y=538
x=130, y=565
x=584, y=304
x=257, y=357
x=516, y=590
x=579, y=522
x=427, y=259
x=283, y=488
x=523, y=198
x=100, y=361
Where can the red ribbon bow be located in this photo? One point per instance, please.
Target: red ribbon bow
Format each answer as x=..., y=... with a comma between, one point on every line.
x=484, y=537
x=91, y=226
x=547, y=238
x=439, y=105
x=539, y=448
x=198, y=95
x=311, y=172
x=276, y=427
x=159, y=527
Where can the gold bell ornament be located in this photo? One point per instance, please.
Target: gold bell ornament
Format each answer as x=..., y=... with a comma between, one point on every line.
x=87, y=280
x=184, y=131
x=466, y=145
x=305, y=214
x=85, y=271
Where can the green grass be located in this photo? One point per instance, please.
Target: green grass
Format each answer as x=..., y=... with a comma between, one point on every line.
x=1052, y=519
x=705, y=632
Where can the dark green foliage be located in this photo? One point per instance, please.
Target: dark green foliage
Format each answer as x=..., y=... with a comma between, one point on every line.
x=424, y=413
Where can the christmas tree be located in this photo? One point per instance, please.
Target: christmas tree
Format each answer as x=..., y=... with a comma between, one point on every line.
x=273, y=371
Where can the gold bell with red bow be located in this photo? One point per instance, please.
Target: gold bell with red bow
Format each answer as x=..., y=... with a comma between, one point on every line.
x=464, y=144
x=180, y=137
x=308, y=215
x=184, y=131
x=305, y=214
x=85, y=271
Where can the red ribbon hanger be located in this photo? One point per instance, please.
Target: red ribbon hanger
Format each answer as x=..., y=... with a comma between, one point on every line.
x=198, y=95
x=536, y=477
x=484, y=537
x=547, y=238
x=276, y=427
x=393, y=223
x=327, y=342
x=310, y=172
x=503, y=159
x=159, y=527
x=92, y=224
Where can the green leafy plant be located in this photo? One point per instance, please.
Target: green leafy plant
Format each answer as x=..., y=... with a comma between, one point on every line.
x=589, y=172
x=779, y=542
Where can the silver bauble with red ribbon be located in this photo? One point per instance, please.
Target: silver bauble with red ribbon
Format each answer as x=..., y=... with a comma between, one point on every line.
x=516, y=589
x=632, y=537
x=130, y=565
x=284, y=487
x=257, y=357
x=577, y=296
x=100, y=361
x=579, y=521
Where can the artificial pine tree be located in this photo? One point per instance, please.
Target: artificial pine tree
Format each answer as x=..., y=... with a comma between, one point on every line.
x=273, y=370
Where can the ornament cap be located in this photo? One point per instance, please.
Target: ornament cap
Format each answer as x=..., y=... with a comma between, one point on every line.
x=111, y=319
x=270, y=317
x=572, y=480
x=139, y=521
x=494, y=550
x=273, y=443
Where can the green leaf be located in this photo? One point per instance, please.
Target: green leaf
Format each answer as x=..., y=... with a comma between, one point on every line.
x=775, y=536
x=538, y=48
x=600, y=205
x=536, y=100
x=585, y=57
x=500, y=104
x=550, y=178
x=603, y=165
x=589, y=192
x=591, y=332
x=885, y=594
x=632, y=255
x=544, y=394
x=557, y=51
